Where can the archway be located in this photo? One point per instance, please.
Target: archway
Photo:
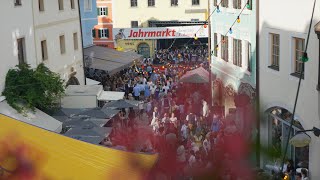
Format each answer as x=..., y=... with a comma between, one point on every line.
x=144, y=49
x=278, y=126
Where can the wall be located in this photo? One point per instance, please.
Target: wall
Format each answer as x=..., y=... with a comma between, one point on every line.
x=229, y=73
x=161, y=11
x=12, y=29
x=105, y=22
x=88, y=21
x=278, y=88
x=49, y=25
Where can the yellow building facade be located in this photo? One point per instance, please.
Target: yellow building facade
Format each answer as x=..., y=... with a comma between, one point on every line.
x=157, y=13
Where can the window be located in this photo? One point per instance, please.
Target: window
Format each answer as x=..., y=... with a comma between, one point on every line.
x=134, y=24
x=134, y=3
x=21, y=50
x=237, y=4
x=215, y=3
x=62, y=44
x=72, y=4
x=225, y=3
x=75, y=41
x=195, y=2
x=249, y=2
x=17, y=3
x=93, y=33
x=298, y=53
x=60, y=3
x=41, y=5
x=103, y=33
x=87, y=5
x=275, y=50
x=103, y=11
x=278, y=133
x=174, y=2
x=224, y=48
x=215, y=42
x=237, y=52
x=151, y=3
x=44, y=50
x=249, y=68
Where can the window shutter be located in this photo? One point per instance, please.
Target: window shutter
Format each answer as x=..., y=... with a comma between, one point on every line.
x=98, y=11
x=246, y=55
x=93, y=33
x=99, y=33
x=107, y=33
x=106, y=11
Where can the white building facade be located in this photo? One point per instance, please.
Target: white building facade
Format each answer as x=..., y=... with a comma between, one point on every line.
x=283, y=37
x=41, y=31
x=139, y=12
x=17, y=37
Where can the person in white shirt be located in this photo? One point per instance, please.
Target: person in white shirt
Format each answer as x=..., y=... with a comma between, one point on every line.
x=165, y=88
x=205, y=109
x=185, y=131
x=174, y=120
x=192, y=159
x=153, y=88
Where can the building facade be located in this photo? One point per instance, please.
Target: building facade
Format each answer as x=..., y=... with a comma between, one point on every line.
x=48, y=33
x=17, y=37
x=57, y=37
x=282, y=43
x=88, y=14
x=156, y=13
x=233, y=45
x=102, y=32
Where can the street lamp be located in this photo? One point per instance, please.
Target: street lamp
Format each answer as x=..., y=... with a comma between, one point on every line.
x=302, y=139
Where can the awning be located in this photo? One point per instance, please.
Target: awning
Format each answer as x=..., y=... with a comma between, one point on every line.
x=37, y=118
x=109, y=60
x=55, y=156
x=110, y=96
x=92, y=82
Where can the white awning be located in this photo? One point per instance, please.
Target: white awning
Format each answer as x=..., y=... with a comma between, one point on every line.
x=110, y=96
x=38, y=118
x=92, y=82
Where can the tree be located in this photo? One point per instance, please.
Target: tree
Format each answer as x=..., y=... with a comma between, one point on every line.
x=27, y=88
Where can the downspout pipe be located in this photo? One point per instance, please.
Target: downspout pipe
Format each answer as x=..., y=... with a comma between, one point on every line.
x=83, y=59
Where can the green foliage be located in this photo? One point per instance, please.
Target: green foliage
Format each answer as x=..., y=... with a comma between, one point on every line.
x=27, y=88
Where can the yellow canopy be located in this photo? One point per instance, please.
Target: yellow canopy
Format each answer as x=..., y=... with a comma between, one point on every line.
x=59, y=157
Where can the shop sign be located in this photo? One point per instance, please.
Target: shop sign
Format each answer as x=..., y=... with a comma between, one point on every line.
x=160, y=32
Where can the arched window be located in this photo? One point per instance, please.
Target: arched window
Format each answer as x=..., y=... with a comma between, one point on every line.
x=278, y=128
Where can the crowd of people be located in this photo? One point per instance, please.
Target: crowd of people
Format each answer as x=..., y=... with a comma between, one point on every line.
x=178, y=115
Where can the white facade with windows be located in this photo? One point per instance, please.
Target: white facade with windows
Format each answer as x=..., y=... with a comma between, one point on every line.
x=19, y=25
x=161, y=10
x=32, y=35
x=282, y=41
x=57, y=28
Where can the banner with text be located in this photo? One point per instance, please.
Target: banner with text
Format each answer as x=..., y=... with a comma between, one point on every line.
x=160, y=32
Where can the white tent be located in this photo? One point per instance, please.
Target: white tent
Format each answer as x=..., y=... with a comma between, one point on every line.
x=92, y=82
x=37, y=118
x=110, y=96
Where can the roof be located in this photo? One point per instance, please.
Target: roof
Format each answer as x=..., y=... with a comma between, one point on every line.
x=110, y=60
x=88, y=90
x=37, y=118
x=66, y=158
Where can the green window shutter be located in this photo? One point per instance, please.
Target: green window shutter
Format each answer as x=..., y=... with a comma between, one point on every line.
x=99, y=33
x=107, y=12
x=107, y=33
x=93, y=33
x=98, y=11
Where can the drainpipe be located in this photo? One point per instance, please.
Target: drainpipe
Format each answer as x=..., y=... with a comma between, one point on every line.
x=258, y=83
x=81, y=35
x=209, y=51
x=318, y=86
